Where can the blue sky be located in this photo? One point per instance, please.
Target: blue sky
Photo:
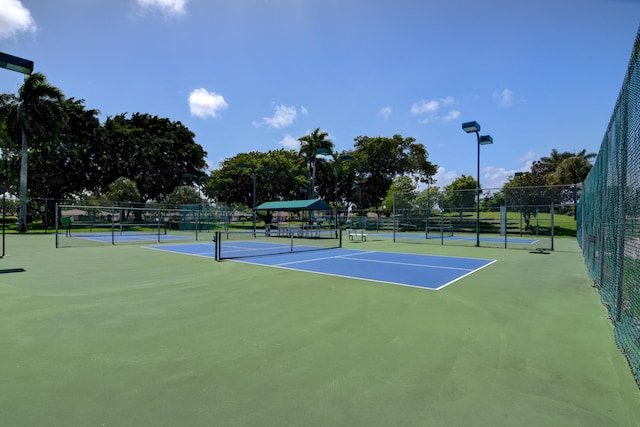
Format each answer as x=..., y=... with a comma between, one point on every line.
x=255, y=75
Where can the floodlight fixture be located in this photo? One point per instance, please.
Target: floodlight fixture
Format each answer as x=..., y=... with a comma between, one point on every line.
x=471, y=127
x=15, y=63
x=485, y=140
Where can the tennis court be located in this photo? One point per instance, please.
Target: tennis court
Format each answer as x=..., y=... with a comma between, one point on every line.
x=404, y=269
x=466, y=238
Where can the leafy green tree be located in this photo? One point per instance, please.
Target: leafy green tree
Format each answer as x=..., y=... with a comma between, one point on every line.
x=572, y=170
x=461, y=194
x=380, y=159
x=404, y=191
x=36, y=112
x=340, y=165
x=183, y=195
x=234, y=185
x=125, y=192
x=309, y=146
x=575, y=170
x=152, y=151
x=62, y=163
x=492, y=200
x=428, y=198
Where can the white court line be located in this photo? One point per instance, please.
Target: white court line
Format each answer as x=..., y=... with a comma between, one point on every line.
x=349, y=256
x=207, y=254
x=341, y=275
x=320, y=258
x=410, y=264
x=286, y=265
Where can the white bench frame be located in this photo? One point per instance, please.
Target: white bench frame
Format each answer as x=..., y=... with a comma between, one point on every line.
x=357, y=233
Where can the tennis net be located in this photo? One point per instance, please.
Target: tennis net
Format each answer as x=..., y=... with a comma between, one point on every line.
x=243, y=244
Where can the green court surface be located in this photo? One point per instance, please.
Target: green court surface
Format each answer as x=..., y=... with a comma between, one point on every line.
x=127, y=336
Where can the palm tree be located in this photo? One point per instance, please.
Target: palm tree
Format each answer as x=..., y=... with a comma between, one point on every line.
x=36, y=112
x=309, y=146
x=552, y=162
x=572, y=170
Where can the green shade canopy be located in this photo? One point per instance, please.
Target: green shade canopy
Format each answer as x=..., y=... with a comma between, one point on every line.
x=295, y=205
x=14, y=63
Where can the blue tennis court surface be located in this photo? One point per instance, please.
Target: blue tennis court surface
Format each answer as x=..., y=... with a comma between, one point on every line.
x=513, y=240
x=419, y=271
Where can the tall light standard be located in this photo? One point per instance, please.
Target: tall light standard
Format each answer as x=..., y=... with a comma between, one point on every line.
x=353, y=187
x=254, y=172
x=519, y=175
x=345, y=158
x=474, y=127
x=198, y=181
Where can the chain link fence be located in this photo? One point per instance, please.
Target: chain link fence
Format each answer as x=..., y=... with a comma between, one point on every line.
x=609, y=216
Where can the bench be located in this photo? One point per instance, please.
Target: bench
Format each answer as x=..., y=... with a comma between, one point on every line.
x=445, y=229
x=357, y=233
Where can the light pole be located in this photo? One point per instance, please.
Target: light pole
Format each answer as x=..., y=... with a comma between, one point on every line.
x=519, y=175
x=197, y=180
x=353, y=187
x=346, y=158
x=474, y=127
x=254, y=172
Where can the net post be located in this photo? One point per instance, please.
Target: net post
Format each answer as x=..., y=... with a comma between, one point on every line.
x=553, y=211
x=113, y=225
x=216, y=243
x=197, y=220
x=291, y=237
x=57, y=223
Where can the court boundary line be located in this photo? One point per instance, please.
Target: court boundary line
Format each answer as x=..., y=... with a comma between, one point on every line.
x=285, y=267
x=171, y=251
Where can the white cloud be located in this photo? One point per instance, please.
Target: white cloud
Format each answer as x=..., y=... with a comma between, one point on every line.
x=504, y=97
x=423, y=107
x=447, y=101
x=283, y=117
x=14, y=19
x=303, y=110
x=385, y=112
x=430, y=110
x=203, y=103
x=167, y=7
x=444, y=177
x=493, y=178
x=290, y=142
x=451, y=115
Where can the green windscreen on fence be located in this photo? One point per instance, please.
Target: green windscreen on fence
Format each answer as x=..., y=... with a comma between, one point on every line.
x=609, y=216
